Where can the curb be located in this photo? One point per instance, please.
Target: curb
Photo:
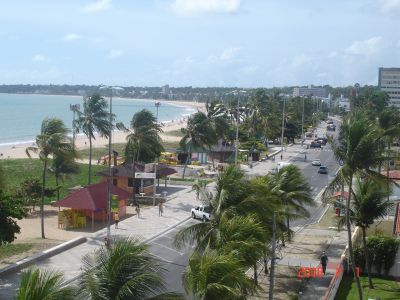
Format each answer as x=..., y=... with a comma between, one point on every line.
x=43, y=255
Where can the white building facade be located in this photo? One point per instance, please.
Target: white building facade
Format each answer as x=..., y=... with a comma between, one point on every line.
x=389, y=82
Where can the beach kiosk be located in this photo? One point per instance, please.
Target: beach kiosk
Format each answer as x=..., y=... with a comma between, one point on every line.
x=90, y=202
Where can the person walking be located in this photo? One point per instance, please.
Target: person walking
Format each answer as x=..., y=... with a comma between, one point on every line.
x=137, y=210
x=160, y=208
x=324, y=261
x=116, y=219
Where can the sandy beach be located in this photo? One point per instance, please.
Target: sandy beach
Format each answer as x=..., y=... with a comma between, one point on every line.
x=82, y=142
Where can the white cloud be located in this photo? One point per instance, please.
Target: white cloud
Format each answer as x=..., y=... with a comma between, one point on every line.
x=115, y=53
x=390, y=6
x=98, y=6
x=70, y=37
x=229, y=53
x=189, y=7
x=365, y=47
x=38, y=58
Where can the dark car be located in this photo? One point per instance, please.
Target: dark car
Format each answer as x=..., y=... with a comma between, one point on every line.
x=331, y=127
x=323, y=170
x=315, y=144
x=322, y=141
x=329, y=122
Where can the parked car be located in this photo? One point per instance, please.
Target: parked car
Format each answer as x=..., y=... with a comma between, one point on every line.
x=316, y=162
x=201, y=212
x=322, y=141
x=323, y=170
x=315, y=144
x=331, y=127
x=329, y=122
x=309, y=134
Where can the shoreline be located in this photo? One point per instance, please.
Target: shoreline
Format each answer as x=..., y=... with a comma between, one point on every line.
x=16, y=149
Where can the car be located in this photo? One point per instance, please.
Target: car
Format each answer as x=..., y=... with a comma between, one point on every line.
x=329, y=122
x=201, y=212
x=315, y=144
x=323, y=170
x=316, y=162
x=331, y=127
x=322, y=141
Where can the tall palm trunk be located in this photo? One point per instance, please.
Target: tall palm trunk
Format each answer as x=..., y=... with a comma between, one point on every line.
x=255, y=273
x=288, y=227
x=387, y=175
x=58, y=188
x=348, y=225
x=187, y=161
x=265, y=264
x=42, y=197
x=90, y=160
x=371, y=286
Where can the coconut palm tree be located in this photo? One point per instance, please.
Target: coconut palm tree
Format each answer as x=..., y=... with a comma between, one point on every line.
x=39, y=284
x=94, y=118
x=360, y=149
x=369, y=204
x=144, y=139
x=198, y=133
x=52, y=140
x=294, y=192
x=126, y=270
x=217, y=276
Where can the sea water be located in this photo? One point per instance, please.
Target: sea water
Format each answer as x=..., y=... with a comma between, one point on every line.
x=21, y=115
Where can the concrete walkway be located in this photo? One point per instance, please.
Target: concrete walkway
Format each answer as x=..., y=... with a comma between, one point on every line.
x=149, y=225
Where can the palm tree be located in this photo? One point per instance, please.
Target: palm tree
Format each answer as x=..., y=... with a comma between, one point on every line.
x=94, y=118
x=144, y=139
x=199, y=133
x=217, y=276
x=52, y=140
x=39, y=284
x=294, y=192
x=360, y=149
x=124, y=271
x=369, y=203
x=62, y=166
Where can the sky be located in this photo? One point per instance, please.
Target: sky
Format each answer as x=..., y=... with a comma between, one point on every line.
x=199, y=43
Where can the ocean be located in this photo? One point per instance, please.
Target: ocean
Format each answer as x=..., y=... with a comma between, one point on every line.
x=22, y=115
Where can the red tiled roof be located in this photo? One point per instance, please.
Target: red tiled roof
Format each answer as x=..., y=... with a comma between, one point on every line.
x=338, y=194
x=94, y=197
x=393, y=174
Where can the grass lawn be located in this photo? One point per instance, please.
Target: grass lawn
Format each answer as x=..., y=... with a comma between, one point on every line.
x=13, y=249
x=18, y=170
x=384, y=288
x=101, y=151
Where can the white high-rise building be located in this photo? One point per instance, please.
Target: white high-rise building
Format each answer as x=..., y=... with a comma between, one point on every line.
x=389, y=82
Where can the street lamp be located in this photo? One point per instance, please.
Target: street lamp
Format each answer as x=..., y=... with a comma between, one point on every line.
x=74, y=108
x=111, y=88
x=237, y=132
x=283, y=125
x=157, y=105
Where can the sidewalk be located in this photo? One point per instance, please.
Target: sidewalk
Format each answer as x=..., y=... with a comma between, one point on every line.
x=176, y=210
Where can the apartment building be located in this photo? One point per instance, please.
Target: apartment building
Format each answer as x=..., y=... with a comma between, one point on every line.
x=389, y=82
x=309, y=91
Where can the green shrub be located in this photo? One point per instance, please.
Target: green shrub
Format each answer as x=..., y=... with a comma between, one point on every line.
x=382, y=252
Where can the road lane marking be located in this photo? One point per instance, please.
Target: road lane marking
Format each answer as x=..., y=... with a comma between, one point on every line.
x=174, y=250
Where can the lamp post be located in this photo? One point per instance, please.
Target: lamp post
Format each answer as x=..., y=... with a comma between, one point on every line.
x=111, y=88
x=74, y=108
x=283, y=125
x=157, y=105
x=237, y=132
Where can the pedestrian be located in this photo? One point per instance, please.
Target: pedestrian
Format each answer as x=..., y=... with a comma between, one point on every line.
x=137, y=210
x=116, y=219
x=324, y=261
x=160, y=209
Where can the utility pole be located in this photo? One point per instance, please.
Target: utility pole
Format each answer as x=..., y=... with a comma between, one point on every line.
x=157, y=104
x=237, y=132
x=302, y=124
x=283, y=125
x=109, y=181
x=271, y=275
